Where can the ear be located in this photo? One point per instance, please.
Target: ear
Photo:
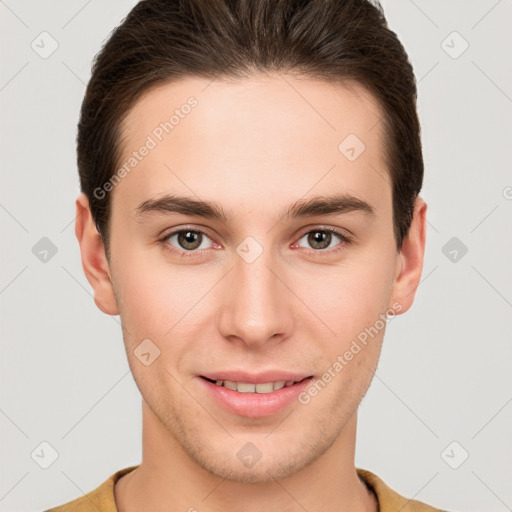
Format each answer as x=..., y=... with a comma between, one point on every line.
x=410, y=260
x=94, y=260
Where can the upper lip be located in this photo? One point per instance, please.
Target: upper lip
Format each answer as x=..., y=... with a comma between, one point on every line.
x=256, y=378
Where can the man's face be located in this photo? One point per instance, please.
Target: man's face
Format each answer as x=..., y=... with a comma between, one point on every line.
x=259, y=291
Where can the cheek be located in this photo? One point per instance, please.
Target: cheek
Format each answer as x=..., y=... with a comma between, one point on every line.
x=351, y=296
x=150, y=307
x=162, y=302
x=355, y=311
x=144, y=297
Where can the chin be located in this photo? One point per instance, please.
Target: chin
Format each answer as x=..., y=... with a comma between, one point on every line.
x=260, y=473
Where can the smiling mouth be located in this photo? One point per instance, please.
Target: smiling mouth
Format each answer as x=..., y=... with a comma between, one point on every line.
x=243, y=387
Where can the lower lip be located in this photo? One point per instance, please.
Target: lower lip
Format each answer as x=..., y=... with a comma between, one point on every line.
x=255, y=405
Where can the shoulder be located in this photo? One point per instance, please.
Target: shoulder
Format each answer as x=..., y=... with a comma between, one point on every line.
x=102, y=498
x=389, y=500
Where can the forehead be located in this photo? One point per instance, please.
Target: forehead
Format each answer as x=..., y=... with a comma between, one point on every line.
x=268, y=138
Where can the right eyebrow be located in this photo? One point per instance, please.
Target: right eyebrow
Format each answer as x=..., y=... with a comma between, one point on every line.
x=182, y=205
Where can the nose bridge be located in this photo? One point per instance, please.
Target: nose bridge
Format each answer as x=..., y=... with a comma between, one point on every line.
x=255, y=308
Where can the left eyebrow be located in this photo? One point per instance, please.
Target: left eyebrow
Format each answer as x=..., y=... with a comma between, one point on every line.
x=317, y=206
x=328, y=205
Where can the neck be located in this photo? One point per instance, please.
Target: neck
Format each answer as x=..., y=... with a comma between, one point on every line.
x=168, y=478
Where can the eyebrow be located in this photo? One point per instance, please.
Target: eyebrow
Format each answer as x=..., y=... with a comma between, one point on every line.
x=317, y=206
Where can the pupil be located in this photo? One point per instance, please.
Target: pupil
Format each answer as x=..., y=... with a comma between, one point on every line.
x=188, y=239
x=318, y=237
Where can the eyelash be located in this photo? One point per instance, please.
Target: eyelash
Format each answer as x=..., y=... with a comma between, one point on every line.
x=344, y=240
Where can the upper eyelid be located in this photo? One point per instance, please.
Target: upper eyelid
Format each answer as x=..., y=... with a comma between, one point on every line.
x=186, y=228
x=335, y=230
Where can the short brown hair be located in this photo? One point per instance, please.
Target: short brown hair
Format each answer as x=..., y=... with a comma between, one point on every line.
x=162, y=41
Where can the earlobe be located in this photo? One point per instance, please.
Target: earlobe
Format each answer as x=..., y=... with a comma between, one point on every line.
x=94, y=261
x=410, y=259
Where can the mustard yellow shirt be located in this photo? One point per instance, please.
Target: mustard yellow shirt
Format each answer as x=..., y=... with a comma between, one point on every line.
x=102, y=498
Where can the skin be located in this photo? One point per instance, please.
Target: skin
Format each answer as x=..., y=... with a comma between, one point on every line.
x=254, y=146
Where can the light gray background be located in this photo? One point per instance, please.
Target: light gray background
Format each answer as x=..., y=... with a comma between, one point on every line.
x=445, y=372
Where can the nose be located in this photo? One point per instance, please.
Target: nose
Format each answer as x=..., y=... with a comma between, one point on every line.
x=257, y=303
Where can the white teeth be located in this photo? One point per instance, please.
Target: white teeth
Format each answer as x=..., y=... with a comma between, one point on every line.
x=230, y=384
x=264, y=387
x=246, y=387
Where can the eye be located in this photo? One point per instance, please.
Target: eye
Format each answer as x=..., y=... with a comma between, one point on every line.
x=183, y=241
x=321, y=239
x=188, y=242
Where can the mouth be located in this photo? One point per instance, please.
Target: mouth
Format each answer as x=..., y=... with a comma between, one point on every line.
x=251, y=399
x=261, y=387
